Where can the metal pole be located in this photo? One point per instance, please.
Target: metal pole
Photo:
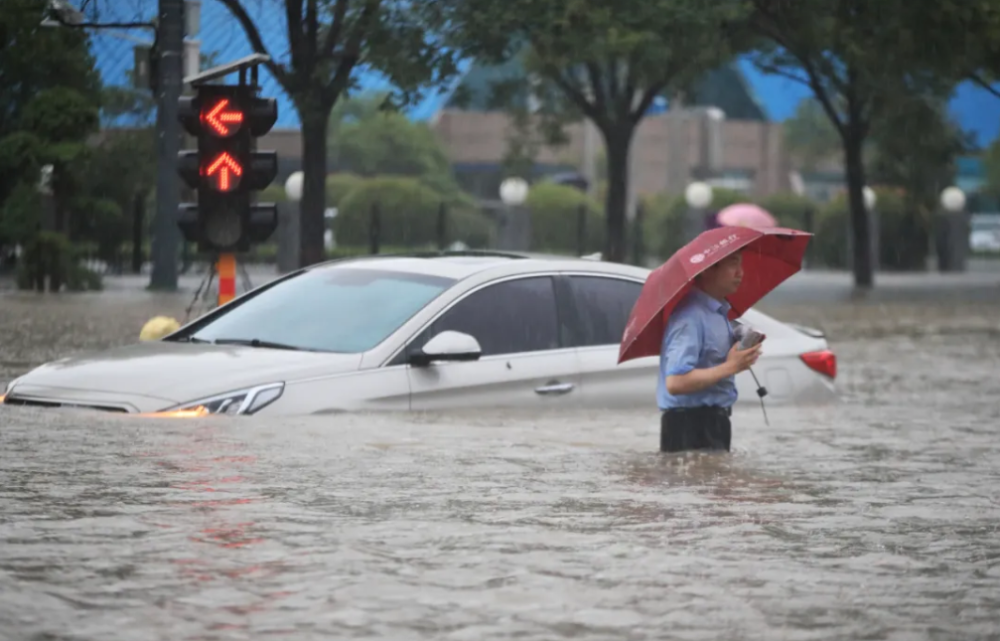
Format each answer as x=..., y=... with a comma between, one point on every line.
x=375, y=229
x=166, y=235
x=138, y=222
x=442, y=227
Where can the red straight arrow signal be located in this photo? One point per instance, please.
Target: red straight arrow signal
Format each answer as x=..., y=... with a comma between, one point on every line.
x=225, y=170
x=220, y=120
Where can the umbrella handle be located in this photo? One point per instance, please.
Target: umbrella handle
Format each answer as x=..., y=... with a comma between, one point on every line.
x=761, y=392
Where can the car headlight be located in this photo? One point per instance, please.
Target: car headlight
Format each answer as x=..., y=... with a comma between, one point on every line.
x=8, y=389
x=238, y=402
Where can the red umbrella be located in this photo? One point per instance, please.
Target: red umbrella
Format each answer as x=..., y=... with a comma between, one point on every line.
x=770, y=256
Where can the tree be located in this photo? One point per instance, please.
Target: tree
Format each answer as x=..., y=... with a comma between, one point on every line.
x=367, y=140
x=916, y=148
x=49, y=95
x=991, y=166
x=967, y=44
x=608, y=60
x=810, y=136
x=851, y=54
x=326, y=41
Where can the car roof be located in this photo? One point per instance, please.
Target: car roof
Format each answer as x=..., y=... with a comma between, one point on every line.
x=460, y=265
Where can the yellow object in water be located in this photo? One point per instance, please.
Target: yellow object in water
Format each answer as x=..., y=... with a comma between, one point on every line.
x=158, y=327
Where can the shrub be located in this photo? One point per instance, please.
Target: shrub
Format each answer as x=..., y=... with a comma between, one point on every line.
x=791, y=210
x=555, y=215
x=408, y=216
x=904, y=233
x=338, y=186
x=664, y=222
x=49, y=261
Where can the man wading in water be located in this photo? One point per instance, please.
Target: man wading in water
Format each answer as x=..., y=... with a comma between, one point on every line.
x=699, y=360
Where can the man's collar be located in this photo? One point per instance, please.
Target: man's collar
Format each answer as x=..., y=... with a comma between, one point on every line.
x=709, y=302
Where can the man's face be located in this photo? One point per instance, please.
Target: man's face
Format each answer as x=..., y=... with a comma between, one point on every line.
x=724, y=277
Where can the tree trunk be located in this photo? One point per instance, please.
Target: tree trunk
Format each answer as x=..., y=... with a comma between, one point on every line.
x=311, y=222
x=861, y=233
x=616, y=144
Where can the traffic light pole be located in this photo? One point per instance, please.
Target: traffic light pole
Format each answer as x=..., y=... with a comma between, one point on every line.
x=226, y=267
x=166, y=235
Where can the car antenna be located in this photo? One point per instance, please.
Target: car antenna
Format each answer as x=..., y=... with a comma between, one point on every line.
x=761, y=392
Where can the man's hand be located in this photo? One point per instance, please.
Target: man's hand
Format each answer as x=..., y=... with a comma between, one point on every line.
x=740, y=360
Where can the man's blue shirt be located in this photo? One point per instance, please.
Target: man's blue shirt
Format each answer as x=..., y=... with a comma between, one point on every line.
x=698, y=336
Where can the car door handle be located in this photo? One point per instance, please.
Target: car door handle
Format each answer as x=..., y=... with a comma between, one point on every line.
x=554, y=389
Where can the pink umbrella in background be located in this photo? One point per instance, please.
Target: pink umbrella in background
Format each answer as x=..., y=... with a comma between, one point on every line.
x=745, y=215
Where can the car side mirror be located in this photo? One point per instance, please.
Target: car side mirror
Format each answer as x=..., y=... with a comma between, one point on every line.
x=448, y=346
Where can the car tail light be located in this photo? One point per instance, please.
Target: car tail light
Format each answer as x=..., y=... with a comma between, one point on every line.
x=824, y=362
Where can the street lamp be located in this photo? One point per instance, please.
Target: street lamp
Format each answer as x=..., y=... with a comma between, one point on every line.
x=952, y=237
x=870, y=198
x=293, y=186
x=515, y=226
x=953, y=200
x=514, y=191
x=698, y=196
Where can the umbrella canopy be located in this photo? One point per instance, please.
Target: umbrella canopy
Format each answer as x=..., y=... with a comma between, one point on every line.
x=745, y=215
x=770, y=256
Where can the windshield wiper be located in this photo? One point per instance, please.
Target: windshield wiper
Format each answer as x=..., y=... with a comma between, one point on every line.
x=256, y=342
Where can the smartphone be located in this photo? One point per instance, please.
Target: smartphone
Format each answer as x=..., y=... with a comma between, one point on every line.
x=751, y=338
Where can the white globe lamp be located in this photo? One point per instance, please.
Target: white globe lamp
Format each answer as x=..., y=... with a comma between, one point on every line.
x=698, y=195
x=293, y=186
x=870, y=198
x=953, y=199
x=514, y=191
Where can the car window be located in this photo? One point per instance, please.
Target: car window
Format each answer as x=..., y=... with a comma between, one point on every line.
x=510, y=317
x=603, y=306
x=340, y=309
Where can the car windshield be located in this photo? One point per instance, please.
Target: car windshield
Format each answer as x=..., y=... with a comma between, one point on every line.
x=340, y=309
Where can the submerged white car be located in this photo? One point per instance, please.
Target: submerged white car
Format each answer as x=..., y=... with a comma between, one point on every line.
x=416, y=332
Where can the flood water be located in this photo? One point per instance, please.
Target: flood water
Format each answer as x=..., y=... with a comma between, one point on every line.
x=873, y=519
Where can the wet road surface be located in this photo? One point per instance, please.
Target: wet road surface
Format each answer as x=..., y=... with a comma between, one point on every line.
x=873, y=519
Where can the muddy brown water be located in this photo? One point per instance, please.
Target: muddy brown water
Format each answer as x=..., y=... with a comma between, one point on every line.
x=873, y=519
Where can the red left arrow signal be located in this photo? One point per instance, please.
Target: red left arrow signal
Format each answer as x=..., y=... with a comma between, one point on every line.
x=224, y=171
x=222, y=119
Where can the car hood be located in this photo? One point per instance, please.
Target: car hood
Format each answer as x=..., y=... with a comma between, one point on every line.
x=179, y=372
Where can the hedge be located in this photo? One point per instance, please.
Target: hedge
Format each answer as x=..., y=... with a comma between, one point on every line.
x=408, y=216
x=555, y=219
x=664, y=219
x=904, y=233
x=338, y=186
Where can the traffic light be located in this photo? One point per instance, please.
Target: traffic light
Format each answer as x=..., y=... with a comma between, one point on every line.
x=226, y=170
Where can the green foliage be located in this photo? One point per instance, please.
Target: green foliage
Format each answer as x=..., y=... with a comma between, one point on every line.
x=555, y=219
x=19, y=213
x=408, y=215
x=366, y=140
x=608, y=61
x=324, y=42
x=338, y=186
x=991, y=165
x=273, y=194
x=60, y=115
x=810, y=136
x=49, y=94
x=862, y=60
x=664, y=221
x=790, y=210
x=118, y=171
x=49, y=263
x=904, y=233
x=916, y=148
